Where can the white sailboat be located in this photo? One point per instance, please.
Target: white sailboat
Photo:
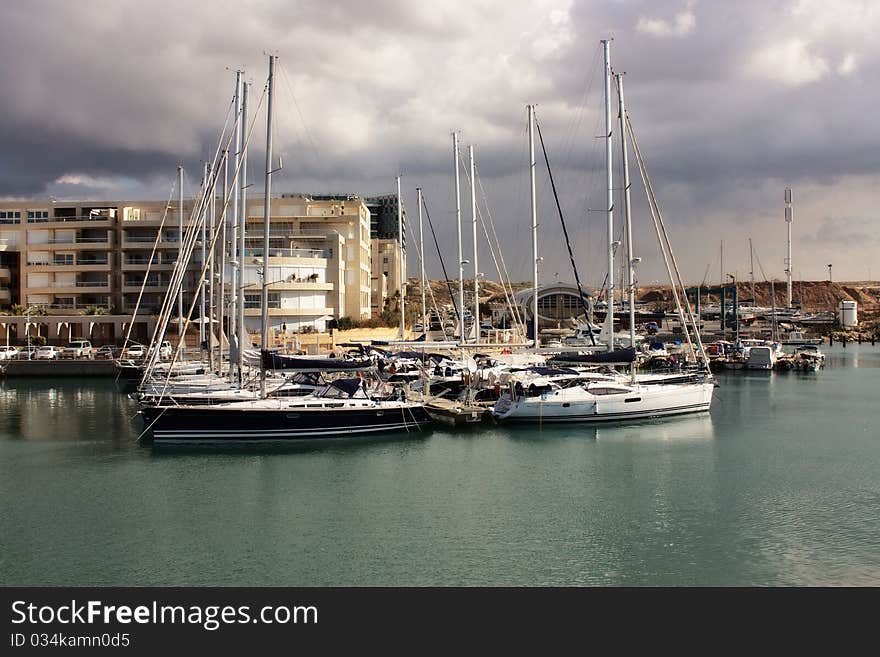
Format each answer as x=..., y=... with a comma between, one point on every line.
x=626, y=397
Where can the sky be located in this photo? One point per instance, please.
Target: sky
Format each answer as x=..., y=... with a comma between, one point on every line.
x=731, y=102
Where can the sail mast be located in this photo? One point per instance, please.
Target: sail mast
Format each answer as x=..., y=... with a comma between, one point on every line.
x=534, y=212
x=267, y=213
x=474, y=226
x=752, y=271
x=242, y=231
x=627, y=210
x=205, y=187
x=221, y=326
x=788, y=268
x=213, y=215
x=422, y=260
x=180, y=249
x=401, y=265
x=233, y=226
x=458, y=228
x=609, y=199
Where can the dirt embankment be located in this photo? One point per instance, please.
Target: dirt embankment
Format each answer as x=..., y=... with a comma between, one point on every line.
x=813, y=296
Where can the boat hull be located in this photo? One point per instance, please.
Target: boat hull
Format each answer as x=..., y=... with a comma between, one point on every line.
x=217, y=425
x=637, y=405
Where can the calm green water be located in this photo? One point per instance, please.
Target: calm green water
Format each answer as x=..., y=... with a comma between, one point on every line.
x=779, y=486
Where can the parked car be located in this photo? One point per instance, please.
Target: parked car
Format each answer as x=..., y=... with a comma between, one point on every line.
x=135, y=351
x=8, y=353
x=418, y=328
x=105, y=351
x=26, y=353
x=48, y=353
x=78, y=349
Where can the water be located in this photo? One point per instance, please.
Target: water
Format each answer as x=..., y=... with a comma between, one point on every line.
x=780, y=485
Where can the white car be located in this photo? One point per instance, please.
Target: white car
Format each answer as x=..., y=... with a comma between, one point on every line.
x=48, y=353
x=8, y=353
x=135, y=351
x=78, y=349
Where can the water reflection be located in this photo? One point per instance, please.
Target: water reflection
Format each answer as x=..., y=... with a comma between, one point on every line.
x=696, y=428
x=70, y=411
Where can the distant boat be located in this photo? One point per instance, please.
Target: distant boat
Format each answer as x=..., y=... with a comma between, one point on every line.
x=797, y=338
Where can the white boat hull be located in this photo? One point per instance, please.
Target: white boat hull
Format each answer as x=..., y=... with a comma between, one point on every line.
x=579, y=405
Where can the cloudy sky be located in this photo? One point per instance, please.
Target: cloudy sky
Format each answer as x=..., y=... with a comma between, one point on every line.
x=731, y=102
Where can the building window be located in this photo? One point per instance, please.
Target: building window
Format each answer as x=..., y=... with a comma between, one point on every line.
x=254, y=300
x=10, y=216
x=63, y=259
x=37, y=216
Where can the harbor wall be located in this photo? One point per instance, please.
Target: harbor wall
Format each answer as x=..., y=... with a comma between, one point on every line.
x=63, y=367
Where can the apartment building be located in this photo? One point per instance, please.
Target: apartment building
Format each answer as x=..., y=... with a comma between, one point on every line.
x=385, y=280
x=66, y=258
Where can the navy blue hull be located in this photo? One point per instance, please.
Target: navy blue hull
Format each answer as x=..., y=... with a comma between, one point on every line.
x=218, y=425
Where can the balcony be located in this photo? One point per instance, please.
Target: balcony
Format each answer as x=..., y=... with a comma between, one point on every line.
x=91, y=219
x=77, y=241
x=325, y=254
x=5, y=275
x=288, y=312
x=142, y=241
x=5, y=295
x=141, y=264
x=78, y=264
x=133, y=285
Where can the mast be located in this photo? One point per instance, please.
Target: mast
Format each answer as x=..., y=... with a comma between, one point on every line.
x=233, y=226
x=422, y=261
x=609, y=198
x=401, y=268
x=221, y=327
x=788, y=267
x=458, y=225
x=264, y=302
x=180, y=250
x=474, y=225
x=212, y=209
x=752, y=271
x=534, y=211
x=242, y=231
x=627, y=211
x=204, y=258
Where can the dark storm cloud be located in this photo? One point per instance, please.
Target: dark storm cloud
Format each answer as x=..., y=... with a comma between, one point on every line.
x=730, y=101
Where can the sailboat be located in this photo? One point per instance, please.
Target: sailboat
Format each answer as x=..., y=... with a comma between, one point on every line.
x=626, y=398
x=342, y=407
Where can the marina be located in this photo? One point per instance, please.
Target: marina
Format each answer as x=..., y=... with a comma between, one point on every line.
x=775, y=486
x=362, y=311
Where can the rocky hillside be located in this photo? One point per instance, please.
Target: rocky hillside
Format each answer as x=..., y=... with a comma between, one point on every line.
x=814, y=296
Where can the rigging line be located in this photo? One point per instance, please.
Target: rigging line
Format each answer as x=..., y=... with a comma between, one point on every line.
x=653, y=201
x=299, y=112
x=149, y=265
x=706, y=275
x=507, y=298
x=440, y=255
x=582, y=106
x=760, y=266
x=506, y=275
x=577, y=277
x=185, y=259
x=489, y=242
x=421, y=266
